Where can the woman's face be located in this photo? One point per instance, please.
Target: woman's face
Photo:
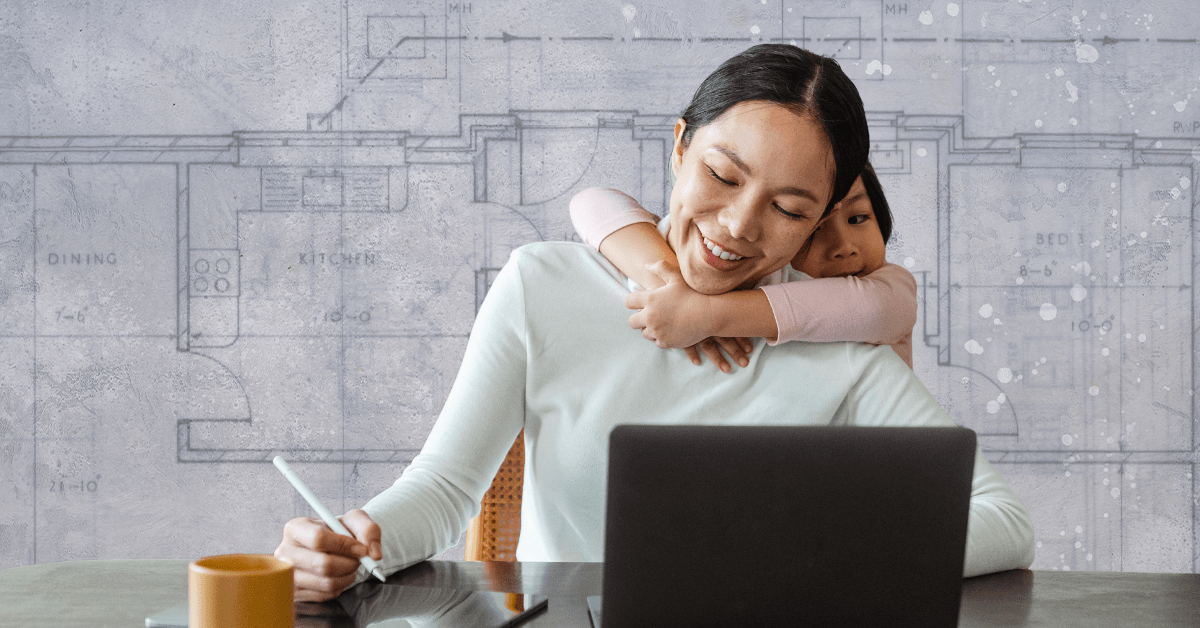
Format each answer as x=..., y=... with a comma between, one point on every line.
x=847, y=241
x=749, y=189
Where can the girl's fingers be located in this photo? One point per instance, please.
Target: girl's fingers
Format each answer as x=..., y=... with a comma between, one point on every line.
x=692, y=354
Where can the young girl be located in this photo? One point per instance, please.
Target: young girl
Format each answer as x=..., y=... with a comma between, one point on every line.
x=843, y=288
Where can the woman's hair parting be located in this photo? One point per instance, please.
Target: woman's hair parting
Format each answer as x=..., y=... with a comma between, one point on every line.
x=804, y=82
x=879, y=204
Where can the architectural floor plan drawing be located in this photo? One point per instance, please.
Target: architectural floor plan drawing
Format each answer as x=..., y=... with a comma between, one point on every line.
x=231, y=231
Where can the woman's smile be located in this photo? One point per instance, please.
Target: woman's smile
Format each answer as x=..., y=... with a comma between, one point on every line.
x=718, y=251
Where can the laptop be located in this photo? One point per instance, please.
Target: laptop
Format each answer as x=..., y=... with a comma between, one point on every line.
x=783, y=526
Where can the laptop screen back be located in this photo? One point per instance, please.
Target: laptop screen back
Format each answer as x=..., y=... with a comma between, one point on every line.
x=742, y=526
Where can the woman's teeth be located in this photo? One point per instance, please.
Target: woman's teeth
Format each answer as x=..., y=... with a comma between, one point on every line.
x=720, y=252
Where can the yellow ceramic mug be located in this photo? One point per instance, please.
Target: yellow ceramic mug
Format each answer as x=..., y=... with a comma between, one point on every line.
x=240, y=591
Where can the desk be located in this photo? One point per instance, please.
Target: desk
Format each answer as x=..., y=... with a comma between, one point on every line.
x=99, y=594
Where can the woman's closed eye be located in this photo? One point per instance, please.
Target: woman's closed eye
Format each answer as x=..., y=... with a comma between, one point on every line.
x=720, y=178
x=723, y=180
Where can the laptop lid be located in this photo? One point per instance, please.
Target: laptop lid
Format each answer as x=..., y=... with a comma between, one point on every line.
x=769, y=525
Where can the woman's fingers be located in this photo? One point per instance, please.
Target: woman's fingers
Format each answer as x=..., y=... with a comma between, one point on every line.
x=709, y=347
x=324, y=561
x=360, y=524
x=735, y=350
x=692, y=354
x=636, y=300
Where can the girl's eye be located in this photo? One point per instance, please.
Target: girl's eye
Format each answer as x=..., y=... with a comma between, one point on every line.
x=718, y=177
x=859, y=219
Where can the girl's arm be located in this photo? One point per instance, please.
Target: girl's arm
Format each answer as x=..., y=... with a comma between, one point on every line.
x=880, y=308
x=624, y=233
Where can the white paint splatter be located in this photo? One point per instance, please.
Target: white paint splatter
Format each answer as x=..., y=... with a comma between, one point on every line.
x=1037, y=123
x=1141, y=337
x=1004, y=375
x=996, y=321
x=1073, y=91
x=1078, y=293
x=926, y=18
x=1067, y=440
x=985, y=310
x=1116, y=492
x=1048, y=312
x=877, y=66
x=952, y=9
x=1074, y=122
x=1104, y=352
x=909, y=262
x=1094, y=390
x=1082, y=268
x=973, y=347
x=993, y=407
x=921, y=152
x=629, y=11
x=1180, y=106
x=1062, y=186
x=1185, y=182
x=1058, y=72
x=1001, y=398
x=754, y=30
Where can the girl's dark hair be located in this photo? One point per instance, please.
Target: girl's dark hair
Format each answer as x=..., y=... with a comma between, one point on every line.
x=879, y=204
x=806, y=83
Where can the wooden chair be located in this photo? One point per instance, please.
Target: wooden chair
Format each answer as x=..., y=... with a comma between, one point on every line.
x=493, y=534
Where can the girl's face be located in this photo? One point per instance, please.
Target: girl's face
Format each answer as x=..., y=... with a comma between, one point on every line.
x=750, y=188
x=846, y=242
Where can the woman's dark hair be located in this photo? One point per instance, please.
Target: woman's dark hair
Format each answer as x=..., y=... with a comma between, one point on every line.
x=879, y=204
x=806, y=83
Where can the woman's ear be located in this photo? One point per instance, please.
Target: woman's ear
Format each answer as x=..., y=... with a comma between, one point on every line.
x=677, y=151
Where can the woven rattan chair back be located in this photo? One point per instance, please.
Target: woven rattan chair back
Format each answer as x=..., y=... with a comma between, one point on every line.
x=493, y=534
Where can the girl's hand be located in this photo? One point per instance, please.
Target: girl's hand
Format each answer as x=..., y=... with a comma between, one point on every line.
x=673, y=316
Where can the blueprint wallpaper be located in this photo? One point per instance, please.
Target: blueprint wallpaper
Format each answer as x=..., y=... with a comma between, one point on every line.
x=231, y=230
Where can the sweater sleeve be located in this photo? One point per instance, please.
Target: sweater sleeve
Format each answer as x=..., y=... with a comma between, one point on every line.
x=880, y=308
x=597, y=212
x=426, y=510
x=999, y=528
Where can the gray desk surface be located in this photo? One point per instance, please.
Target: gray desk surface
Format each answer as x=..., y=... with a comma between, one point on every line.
x=98, y=594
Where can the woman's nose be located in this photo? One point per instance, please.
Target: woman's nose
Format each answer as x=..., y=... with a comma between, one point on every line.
x=740, y=220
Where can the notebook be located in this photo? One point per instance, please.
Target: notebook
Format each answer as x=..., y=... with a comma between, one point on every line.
x=781, y=526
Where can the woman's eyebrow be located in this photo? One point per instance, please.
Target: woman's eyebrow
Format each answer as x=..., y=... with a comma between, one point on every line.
x=737, y=161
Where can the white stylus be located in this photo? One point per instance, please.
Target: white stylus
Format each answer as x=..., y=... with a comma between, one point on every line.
x=323, y=512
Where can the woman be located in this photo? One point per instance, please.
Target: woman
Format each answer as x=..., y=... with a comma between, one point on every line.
x=770, y=142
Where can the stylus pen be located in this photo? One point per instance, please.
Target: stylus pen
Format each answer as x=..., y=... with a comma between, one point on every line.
x=323, y=512
x=526, y=615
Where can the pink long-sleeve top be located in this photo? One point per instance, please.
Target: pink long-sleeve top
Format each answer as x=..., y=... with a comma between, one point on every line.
x=880, y=308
